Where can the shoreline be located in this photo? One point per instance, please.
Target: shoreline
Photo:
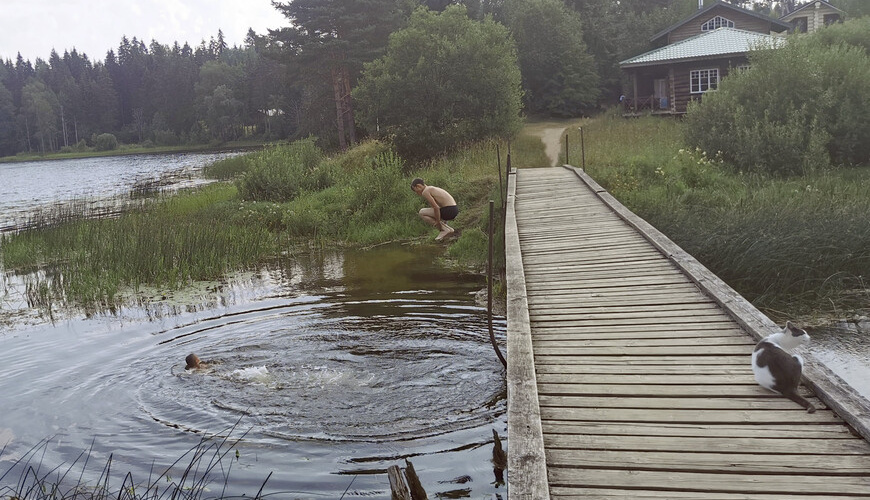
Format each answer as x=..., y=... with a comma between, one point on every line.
x=207, y=148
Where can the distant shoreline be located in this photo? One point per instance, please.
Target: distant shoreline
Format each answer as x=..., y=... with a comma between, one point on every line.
x=138, y=150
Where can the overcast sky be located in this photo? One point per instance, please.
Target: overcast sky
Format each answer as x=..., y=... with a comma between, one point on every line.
x=34, y=27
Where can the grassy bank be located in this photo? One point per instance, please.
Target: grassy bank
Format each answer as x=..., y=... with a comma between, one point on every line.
x=269, y=200
x=797, y=247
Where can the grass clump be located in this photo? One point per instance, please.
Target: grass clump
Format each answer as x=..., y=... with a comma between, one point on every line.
x=795, y=246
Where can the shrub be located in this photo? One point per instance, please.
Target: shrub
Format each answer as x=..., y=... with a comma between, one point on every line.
x=105, y=142
x=814, y=109
x=280, y=173
x=445, y=80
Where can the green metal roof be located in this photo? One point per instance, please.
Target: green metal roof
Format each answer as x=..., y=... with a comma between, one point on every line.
x=720, y=42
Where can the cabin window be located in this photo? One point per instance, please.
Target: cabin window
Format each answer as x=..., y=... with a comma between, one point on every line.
x=800, y=25
x=832, y=19
x=717, y=22
x=702, y=80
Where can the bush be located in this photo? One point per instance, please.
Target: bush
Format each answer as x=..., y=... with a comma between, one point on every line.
x=281, y=173
x=166, y=138
x=445, y=80
x=814, y=110
x=105, y=142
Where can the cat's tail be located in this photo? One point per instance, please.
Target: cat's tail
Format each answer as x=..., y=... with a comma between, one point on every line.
x=797, y=398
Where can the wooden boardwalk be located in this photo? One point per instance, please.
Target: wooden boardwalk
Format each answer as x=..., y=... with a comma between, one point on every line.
x=629, y=378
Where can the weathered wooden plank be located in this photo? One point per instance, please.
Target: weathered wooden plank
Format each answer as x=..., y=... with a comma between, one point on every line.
x=556, y=443
x=700, y=461
x=652, y=391
x=658, y=362
x=573, y=493
x=638, y=328
x=746, y=378
x=688, y=416
x=808, y=431
x=546, y=322
x=644, y=369
x=627, y=307
x=667, y=403
x=552, y=349
x=568, y=340
x=793, y=484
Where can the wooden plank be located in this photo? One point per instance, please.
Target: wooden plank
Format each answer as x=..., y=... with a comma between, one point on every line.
x=571, y=322
x=653, y=391
x=689, y=416
x=619, y=378
x=556, y=443
x=793, y=484
x=644, y=369
x=797, y=430
x=568, y=340
x=667, y=403
x=740, y=463
x=573, y=493
x=638, y=328
x=648, y=362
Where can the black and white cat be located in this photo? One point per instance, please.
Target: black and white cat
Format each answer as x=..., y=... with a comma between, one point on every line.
x=776, y=369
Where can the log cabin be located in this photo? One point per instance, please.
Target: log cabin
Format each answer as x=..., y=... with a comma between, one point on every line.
x=692, y=56
x=812, y=16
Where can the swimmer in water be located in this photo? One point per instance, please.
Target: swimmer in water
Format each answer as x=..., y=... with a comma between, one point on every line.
x=193, y=362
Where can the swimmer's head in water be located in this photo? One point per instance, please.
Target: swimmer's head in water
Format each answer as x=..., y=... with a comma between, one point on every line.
x=192, y=361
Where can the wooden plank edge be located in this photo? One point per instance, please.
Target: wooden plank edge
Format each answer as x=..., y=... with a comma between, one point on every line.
x=827, y=385
x=527, y=463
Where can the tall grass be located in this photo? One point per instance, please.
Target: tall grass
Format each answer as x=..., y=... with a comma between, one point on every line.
x=203, y=468
x=191, y=236
x=795, y=246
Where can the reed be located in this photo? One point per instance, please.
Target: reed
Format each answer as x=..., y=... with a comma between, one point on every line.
x=203, y=469
x=228, y=168
x=89, y=261
x=794, y=246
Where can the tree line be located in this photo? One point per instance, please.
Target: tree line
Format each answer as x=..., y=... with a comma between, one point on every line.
x=303, y=79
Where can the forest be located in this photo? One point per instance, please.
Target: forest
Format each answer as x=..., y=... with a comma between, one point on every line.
x=301, y=79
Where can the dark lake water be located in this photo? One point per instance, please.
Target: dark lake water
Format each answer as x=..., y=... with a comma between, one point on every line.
x=27, y=187
x=336, y=365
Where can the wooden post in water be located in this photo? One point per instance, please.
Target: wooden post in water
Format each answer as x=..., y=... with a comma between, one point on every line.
x=499, y=458
x=417, y=491
x=489, y=288
x=397, y=484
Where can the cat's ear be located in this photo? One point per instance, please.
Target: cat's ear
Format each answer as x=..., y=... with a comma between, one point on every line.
x=788, y=325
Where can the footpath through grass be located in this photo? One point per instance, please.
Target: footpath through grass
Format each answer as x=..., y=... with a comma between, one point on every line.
x=797, y=247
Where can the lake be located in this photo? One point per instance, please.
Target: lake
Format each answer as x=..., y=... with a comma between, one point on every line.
x=337, y=365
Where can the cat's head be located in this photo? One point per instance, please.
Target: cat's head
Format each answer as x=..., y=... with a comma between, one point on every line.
x=793, y=336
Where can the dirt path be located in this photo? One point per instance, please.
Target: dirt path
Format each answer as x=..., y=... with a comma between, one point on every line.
x=551, y=135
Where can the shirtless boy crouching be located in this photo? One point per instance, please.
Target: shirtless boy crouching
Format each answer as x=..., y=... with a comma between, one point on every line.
x=442, y=207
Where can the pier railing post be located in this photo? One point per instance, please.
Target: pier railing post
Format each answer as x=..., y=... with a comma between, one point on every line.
x=489, y=286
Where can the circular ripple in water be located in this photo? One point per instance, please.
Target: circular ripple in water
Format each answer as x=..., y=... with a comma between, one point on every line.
x=372, y=370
